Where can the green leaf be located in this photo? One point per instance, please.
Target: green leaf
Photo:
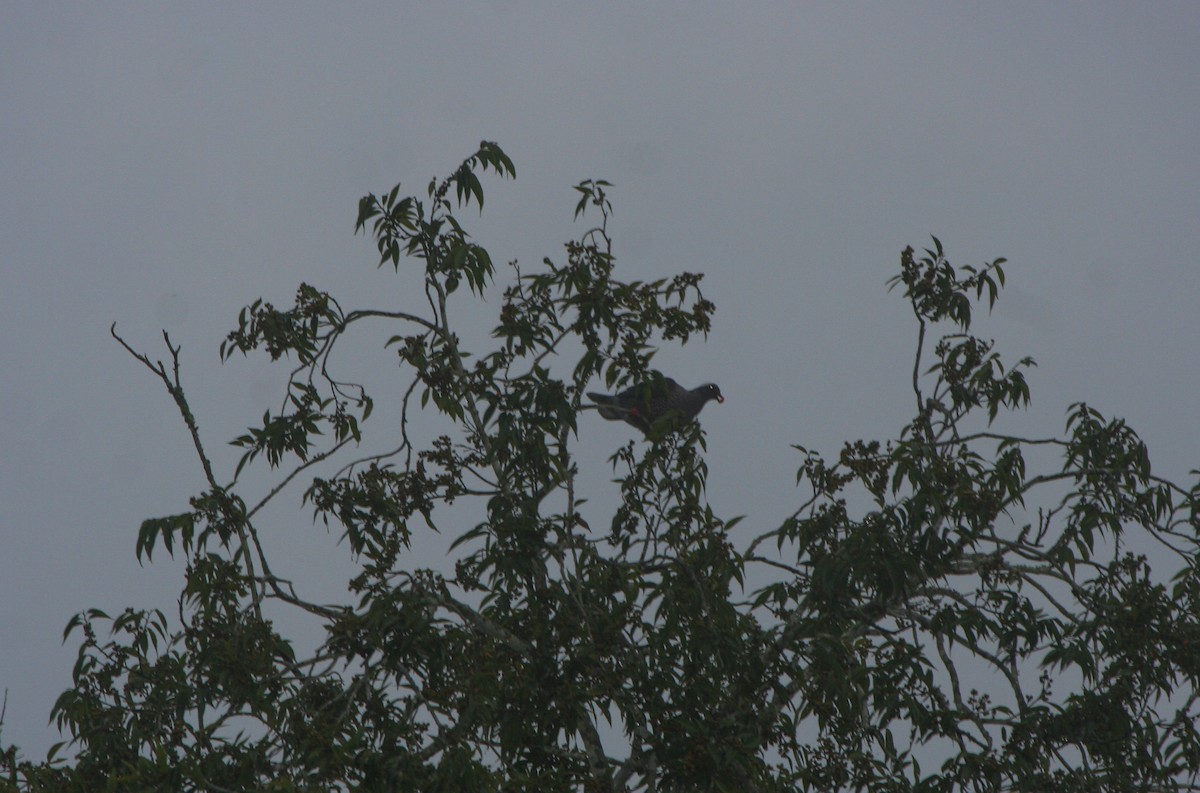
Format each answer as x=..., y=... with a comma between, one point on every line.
x=168, y=527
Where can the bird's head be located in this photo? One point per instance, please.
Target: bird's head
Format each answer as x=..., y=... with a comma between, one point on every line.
x=710, y=391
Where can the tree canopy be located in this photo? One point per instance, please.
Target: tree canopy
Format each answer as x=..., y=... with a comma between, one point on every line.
x=952, y=608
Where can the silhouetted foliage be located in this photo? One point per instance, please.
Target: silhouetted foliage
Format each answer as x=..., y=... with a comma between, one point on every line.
x=951, y=609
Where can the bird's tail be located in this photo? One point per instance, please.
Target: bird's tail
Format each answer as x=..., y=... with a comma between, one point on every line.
x=606, y=406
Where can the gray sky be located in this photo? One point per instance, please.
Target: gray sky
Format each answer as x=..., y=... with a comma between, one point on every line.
x=163, y=165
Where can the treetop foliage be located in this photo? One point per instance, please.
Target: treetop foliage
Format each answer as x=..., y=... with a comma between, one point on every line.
x=950, y=609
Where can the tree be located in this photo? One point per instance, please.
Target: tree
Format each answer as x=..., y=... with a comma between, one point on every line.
x=952, y=609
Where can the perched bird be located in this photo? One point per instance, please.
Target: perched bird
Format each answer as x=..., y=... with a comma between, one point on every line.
x=646, y=403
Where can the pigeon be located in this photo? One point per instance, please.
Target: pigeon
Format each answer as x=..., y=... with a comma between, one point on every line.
x=646, y=403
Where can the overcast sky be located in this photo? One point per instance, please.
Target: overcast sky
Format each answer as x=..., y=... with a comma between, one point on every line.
x=163, y=165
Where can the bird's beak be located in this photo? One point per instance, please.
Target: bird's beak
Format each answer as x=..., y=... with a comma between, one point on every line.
x=720, y=400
